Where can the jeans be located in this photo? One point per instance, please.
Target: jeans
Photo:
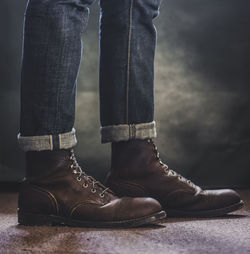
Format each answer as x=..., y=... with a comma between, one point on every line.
x=51, y=55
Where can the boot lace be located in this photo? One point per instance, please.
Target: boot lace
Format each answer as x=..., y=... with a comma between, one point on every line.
x=165, y=166
x=81, y=175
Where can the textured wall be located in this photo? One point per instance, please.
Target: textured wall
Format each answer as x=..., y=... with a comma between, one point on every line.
x=201, y=91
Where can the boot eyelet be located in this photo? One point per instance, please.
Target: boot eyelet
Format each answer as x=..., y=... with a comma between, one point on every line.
x=79, y=179
x=71, y=166
x=85, y=185
x=101, y=195
x=180, y=177
x=93, y=190
x=74, y=172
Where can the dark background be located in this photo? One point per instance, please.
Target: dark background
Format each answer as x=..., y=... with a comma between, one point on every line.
x=202, y=92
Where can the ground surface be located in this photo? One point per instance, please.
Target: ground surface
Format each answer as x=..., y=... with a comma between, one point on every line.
x=229, y=234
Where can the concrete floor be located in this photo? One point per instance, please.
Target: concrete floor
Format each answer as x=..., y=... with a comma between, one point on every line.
x=224, y=235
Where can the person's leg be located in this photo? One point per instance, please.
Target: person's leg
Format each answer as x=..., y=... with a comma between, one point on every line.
x=52, y=49
x=127, y=50
x=127, y=46
x=56, y=190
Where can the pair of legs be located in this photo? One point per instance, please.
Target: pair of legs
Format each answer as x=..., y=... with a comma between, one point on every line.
x=56, y=190
x=52, y=51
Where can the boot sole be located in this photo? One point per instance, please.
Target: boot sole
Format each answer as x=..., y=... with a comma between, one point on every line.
x=28, y=219
x=207, y=213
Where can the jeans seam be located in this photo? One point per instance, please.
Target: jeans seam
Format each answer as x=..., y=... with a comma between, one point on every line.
x=60, y=142
x=129, y=52
x=133, y=131
x=51, y=142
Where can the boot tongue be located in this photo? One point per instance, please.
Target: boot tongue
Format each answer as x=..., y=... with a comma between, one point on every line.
x=135, y=153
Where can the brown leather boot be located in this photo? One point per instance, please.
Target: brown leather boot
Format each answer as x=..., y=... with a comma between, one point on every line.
x=57, y=191
x=137, y=171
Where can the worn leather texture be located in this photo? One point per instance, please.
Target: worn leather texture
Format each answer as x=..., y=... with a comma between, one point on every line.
x=53, y=187
x=137, y=170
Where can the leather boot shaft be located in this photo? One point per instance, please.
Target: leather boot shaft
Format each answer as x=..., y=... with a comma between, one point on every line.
x=135, y=157
x=40, y=163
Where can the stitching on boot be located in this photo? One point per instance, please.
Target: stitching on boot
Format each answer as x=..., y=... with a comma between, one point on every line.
x=136, y=187
x=79, y=204
x=48, y=194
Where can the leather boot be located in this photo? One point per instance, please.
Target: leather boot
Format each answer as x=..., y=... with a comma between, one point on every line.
x=137, y=171
x=58, y=191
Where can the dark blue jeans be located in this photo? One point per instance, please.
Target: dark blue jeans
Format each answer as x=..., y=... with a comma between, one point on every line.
x=52, y=51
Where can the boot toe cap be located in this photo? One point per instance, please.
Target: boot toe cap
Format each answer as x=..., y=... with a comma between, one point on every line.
x=139, y=207
x=225, y=197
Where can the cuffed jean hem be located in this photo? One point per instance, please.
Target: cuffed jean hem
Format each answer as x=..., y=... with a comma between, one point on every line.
x=124, y=132
x=47, y=142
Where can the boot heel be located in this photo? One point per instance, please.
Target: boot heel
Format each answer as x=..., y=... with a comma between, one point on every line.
x=29, y=219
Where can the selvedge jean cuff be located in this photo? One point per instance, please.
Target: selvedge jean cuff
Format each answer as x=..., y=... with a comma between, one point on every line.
x=47, y=142
x=124, y=132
